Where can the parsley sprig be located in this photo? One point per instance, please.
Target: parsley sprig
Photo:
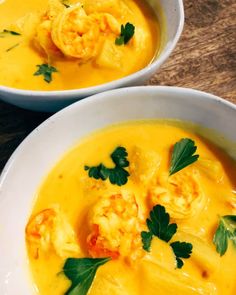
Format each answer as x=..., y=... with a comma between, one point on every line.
x=8, y=32
x=46, y=71
x=81, y=272
x=183, y=155
x=159, y=225
x=225, y=232
x=117, y=175
x=126, y=33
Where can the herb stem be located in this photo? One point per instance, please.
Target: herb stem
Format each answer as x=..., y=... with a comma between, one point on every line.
x=12, y=47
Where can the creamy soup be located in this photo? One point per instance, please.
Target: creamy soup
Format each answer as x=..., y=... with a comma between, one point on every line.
x=100, y=223
x=59, y=45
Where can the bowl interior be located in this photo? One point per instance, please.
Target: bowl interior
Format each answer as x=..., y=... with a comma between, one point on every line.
x=44, y=147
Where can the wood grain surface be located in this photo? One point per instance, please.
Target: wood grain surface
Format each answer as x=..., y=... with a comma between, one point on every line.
x=204, y=59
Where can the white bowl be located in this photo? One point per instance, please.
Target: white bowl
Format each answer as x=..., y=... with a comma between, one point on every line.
x=39, y=152
x=51, y=101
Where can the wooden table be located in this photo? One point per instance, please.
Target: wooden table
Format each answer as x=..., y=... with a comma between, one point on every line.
x=205, y=59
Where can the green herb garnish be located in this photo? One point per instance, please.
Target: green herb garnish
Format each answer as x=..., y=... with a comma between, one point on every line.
x=65, y=3
x=183, y=155
x=126, y=34
x=8, y=32
x=12, y=47
x=226, y=231
x=159, y=225
x=46, y=70
x=81, y=272
x=181, y=250
x=117, y=175
x=146, y=240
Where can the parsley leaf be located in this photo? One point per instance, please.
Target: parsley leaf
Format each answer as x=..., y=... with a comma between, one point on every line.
x=81, y=272
x=159, y=224
x=126, y=34
x=183, y=155
x=46, y=70
x=65, y=3
x=226, y=231
x=117, y=175
x=98, y=172
x=8, y=32
x=181, y=250
x=119, y=157
x=146, y=240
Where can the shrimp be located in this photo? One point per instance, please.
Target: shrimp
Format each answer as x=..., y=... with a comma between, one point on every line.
x=181, y=193
x=115, y=227
x=78, y=35
x=71, y=32
x=43, y=39
x=49, y=230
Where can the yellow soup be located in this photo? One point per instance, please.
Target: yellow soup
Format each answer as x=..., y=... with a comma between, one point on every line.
x=59, y=45
x=95, y=203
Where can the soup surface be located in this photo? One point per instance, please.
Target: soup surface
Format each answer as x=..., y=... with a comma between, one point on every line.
x=96, y=201
x=59, y=45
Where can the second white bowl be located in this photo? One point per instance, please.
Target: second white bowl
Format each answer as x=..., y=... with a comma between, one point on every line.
x=51, y=101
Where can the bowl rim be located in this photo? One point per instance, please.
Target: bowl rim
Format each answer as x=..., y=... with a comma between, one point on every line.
x=100, y=96
x=67, y=94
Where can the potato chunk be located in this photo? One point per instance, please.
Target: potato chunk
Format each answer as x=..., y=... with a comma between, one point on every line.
x=110, y=55
x=161, y=281
x=144, y=165
x=108, y=285
x=48, y=231
x=211, y=168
